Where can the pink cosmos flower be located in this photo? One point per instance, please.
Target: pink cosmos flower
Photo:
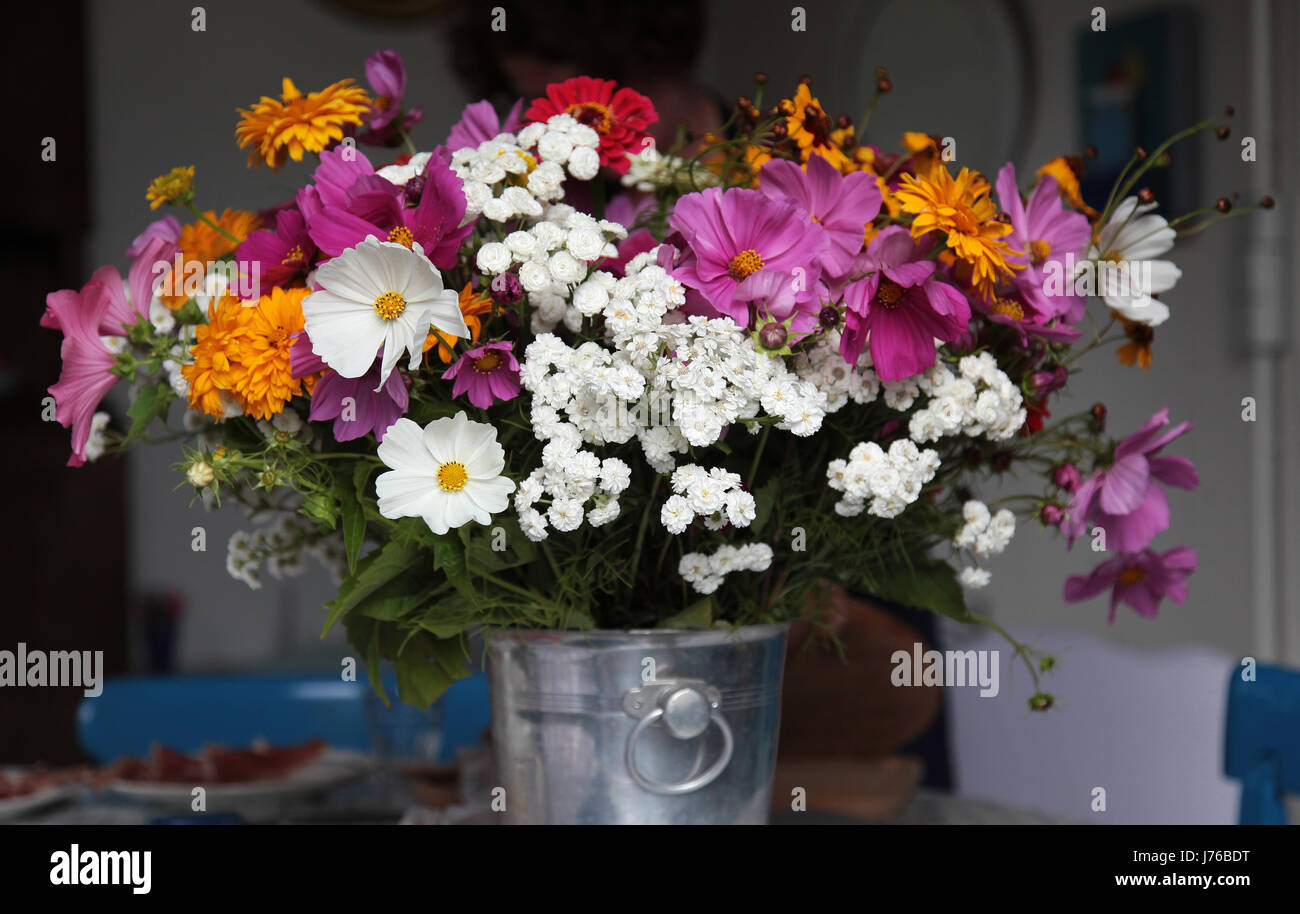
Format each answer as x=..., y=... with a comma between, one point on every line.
x=339, y=170
x=1125, y=499
x=101, y=309
x=479, y=123
x=487, y=374
x=898, y=308
x=1140, y=579
x=1046, y=232
x=734, y=234
x=841, y=206
x=387, y=77
x=367, y=410
x=376, y=208
x=282, y=255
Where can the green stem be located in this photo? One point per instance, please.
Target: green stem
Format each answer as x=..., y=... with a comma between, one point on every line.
x=212, y=225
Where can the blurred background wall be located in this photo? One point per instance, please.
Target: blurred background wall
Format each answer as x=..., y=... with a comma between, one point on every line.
x=1000, y=77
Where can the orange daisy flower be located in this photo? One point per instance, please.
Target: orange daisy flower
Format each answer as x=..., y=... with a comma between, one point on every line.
x=811, y=129
x=281, y=130
x=1137, y=351
x=201, y=244
x=264, y=380
x=217, y=353
x=962, y=208
x=472, y=307
x=1066, y=170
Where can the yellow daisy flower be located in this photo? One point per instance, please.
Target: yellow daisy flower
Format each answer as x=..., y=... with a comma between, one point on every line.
x=1065, y=170
x=297, y=123
x=962, y=208
x=811, y=128
x=177, y=186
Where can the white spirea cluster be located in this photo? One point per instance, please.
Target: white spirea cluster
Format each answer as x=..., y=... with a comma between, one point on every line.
x=980, y=400
x=983, y=533
x=98, y=439
x=553, y=256
x=504, y=181
x=705, y=573
x=879, y=481
x=649, y=170
x=565, y=141
x=713, y=495
x=582, y=389
x=973, y=578
x=278, y=547
x=400, y=174
x=570, y=477
x=840, y=382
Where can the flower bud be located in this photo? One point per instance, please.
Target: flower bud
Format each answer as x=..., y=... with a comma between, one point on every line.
x=828, y=317
x=414, y=189
x=1067, y=477
x=506, y=289
x=200, y=474
x=773, y=335
x=1001, y=461
x=1051, y=515
x=1041, y=702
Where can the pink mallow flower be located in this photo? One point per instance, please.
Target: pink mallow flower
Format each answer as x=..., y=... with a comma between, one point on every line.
x=88, y=319
x=898, y=309
x=841, y=206
x=1125, y=498
x=380, y=212
x=732, y=235
x=487, y=374
x=354, y=404
x=1140, y=579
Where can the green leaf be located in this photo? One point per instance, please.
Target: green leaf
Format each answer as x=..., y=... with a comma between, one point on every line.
x=449, y=558
x=764, y=501
x=401, y=595
x=190, y=313
x=373, y=572
x=427, y=666
x=425, y=410
x=928, y=585
x=366, y=636
x=150, y=403
x=698, y=615
x=354, y=527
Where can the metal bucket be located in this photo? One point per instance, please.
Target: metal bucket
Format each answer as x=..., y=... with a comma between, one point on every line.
x=642, y=727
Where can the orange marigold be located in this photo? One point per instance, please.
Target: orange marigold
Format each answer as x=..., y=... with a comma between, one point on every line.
x=472, y=306
x=201, y=244
x=217, y=353
x=264, y=380
x=278, y=130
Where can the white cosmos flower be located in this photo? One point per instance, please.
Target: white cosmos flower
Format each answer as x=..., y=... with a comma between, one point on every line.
x=1128, y=271
x=448, y=473
x=379, y=294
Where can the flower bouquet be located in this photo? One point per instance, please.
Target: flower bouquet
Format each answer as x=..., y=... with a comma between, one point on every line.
x=548, y=376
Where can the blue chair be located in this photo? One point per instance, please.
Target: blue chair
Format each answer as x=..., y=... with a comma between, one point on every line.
x=186, y=712
x=1262, y=742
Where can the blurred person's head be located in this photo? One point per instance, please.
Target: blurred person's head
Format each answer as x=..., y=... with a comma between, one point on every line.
x=653, y=48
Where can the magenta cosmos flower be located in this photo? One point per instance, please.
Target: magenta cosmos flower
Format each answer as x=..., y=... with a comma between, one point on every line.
x=487, y=374
x=1047, y=234
x=101, y=309
x=1140, y=579
x=280, y=255
x=380, y=212
x=732, y=235
x=479, y=123
x=387, y=77
x=354, y=404
x=840, y=206
x=898, y=309
x=1125, y=499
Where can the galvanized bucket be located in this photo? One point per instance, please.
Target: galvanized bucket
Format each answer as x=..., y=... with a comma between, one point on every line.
x=640, y=727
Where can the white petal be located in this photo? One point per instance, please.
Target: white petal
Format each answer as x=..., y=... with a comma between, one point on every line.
x=403, y=494
x=343, y=334
x=404, y=448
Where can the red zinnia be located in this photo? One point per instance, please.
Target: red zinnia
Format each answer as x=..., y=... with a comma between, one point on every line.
x=620, y=116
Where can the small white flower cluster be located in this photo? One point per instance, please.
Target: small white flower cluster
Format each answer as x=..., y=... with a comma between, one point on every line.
x=649, y=170
x=570, y=477
x=973, y=578
x=840, y=382
x=981, y=400
x=580, y=389
x=714, y=495
x=985, y=534
x=400, y=174
x=98, y=439
x=891, y=479
x=565, y=141
x=553, y=256
x=706, y=572
x=284, y=427
x=503, y=181
x=278, y=547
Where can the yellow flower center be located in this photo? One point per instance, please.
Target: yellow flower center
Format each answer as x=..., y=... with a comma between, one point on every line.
x=1039, y=251
x=487, y=362
x=1008, y=307
x=401, y=235
x=294, y=256
x=889, y=293
x=390, y=305
x=452, y=476
x=1130, y=576
x=745, y=264
x=594, y=115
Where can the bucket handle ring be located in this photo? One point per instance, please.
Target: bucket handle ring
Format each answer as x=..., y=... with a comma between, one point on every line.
x=669, y=695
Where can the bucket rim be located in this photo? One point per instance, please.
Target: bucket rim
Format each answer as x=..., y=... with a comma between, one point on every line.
x=571, y=637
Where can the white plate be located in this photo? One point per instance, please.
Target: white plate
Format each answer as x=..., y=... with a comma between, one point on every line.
x=333, y=768
x=17, y=807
